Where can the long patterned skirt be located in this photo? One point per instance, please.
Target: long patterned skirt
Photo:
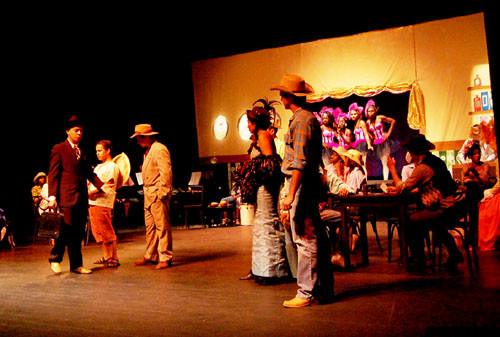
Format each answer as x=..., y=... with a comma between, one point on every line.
x=268, y=247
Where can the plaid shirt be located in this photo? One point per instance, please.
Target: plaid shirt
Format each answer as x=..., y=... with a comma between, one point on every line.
x=303, y=143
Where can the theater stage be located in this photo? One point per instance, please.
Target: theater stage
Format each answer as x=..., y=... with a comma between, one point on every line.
x=200, y=295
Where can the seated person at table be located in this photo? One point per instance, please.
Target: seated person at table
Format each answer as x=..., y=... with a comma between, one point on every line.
x=478, y=135
x=408, y=168
x=437, y=192
x=332, y=179
x=354, y=174
x=475, y=174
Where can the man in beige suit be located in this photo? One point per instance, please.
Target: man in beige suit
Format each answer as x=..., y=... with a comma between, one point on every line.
x=157, y=183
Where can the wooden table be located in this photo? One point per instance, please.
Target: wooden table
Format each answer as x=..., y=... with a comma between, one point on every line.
x=365, y=202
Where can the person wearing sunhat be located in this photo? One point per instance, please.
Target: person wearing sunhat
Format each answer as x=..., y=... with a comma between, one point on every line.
x=36, y=191
x=301, y=166
x=157, y=184
x=437, y=191
x=354, y=174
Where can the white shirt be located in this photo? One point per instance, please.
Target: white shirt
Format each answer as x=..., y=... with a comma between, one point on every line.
x=105, y=171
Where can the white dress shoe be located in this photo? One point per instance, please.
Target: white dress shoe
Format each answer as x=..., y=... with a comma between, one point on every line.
x=55, y=267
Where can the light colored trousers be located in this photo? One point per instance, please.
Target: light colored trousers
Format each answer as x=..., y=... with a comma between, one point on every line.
x=158, y=231
x=314, y=273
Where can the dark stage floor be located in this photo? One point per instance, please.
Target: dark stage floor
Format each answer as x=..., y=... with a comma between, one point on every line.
x=202, y=296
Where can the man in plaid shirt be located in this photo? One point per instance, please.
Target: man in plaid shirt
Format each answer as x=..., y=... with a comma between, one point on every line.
x=301, y=166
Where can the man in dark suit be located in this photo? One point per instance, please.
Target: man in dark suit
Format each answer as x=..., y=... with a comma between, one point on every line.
x=68, y=171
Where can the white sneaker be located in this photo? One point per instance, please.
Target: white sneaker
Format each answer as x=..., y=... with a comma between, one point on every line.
x=55, y=267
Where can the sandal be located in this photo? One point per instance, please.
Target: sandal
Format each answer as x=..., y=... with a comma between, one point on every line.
x=112, y=263
x=102, y=260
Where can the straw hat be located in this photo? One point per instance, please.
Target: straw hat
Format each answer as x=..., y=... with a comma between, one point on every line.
x=355, y=156
x=340, y=150
x=38, y=176
x=294, y=85
x=143, y=130
x=123, y=164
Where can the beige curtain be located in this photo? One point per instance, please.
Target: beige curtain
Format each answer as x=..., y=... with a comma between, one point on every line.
x=438, y=60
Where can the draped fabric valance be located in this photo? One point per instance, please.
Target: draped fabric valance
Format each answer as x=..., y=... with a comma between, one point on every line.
x=416, y=108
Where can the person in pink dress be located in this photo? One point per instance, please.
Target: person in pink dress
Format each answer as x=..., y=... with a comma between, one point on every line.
x=380, y=137
x=362, y=141
x=344, y=134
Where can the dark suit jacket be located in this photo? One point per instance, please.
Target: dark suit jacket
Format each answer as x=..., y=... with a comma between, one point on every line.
x=68, y=176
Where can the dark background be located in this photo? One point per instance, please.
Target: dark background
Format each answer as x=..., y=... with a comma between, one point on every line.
x=117, y=67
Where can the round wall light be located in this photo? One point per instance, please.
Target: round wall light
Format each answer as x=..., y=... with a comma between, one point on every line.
x=245, y=134
x=220, y=127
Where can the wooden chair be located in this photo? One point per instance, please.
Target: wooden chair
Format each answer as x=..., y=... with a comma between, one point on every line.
x=466, y=226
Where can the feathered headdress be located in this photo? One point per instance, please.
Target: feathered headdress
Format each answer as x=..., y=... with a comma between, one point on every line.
x=338, y=113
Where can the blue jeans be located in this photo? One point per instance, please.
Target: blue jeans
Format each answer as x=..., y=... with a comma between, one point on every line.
x=314, y=271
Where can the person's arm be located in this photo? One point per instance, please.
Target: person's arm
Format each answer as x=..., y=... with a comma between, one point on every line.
x=294, y=185
x=392, y=123
x=391, y=165
x=165, y=167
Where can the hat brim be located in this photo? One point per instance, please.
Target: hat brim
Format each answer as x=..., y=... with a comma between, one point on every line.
x=145, y=134
x=417, y=148
x=288, y=91
x=38, y=176
x=353, y=158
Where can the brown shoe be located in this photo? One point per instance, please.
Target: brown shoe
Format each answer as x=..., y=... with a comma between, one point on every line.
x=163, y=265
x=143, y=261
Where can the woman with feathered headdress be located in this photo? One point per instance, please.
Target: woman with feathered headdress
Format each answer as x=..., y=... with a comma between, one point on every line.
x=259, y=180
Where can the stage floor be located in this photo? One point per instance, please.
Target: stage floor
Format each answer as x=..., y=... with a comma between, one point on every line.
x=201, y=295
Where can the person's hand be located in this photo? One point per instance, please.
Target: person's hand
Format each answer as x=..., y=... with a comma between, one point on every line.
x=487, y=195
x=285, y=220
x=52, y=204
x=286, y=204
x=391, y=189
x=391, y=163
x=108, y=188
x=343, y=192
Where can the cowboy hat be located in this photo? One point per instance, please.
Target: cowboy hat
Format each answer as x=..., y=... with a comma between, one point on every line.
x=340, y=150
x=418, y=144
x=143, y=130
x=294, y=85
x=38, y=176
x=355, y=156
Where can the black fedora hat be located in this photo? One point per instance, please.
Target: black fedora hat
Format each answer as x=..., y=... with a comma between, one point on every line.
x=418, y=144
x=73, y=121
